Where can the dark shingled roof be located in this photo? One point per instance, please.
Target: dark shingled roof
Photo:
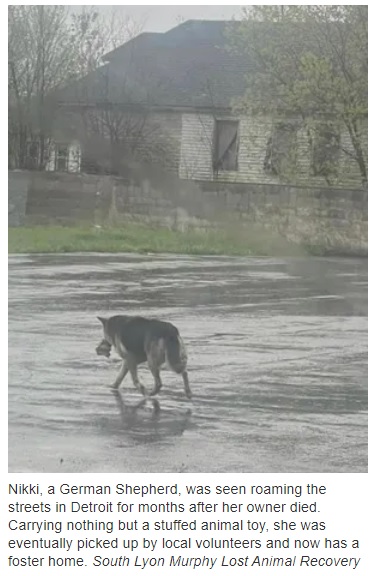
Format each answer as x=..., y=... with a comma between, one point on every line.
x=188, y=66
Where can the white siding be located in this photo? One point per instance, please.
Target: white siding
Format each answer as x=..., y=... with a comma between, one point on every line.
x=196, y=147
x=254, y=132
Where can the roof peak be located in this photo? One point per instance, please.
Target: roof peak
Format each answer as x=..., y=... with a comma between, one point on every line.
x=180, y=31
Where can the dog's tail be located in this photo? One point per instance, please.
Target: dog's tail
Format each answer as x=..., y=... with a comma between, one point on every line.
x=176, y=356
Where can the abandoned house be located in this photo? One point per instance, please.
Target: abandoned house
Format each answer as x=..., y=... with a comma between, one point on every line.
x=167, y=99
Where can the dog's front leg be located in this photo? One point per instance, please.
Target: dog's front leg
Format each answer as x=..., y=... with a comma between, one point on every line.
x=186, y=384
x=134, y=374
x=121, y=375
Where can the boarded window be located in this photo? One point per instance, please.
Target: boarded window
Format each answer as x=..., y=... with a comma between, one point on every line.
x=226, y=145
x=280, y=157
x=325, y=140
x=61, y=157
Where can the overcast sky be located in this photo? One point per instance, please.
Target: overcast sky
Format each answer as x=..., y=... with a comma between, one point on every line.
x=162, y=18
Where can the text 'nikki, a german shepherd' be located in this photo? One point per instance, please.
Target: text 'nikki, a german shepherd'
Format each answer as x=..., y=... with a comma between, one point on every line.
x=138, y=340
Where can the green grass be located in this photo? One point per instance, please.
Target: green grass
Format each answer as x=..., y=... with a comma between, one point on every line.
x=143, y=239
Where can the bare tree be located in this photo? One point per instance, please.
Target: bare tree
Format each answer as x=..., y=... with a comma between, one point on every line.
x=117, y=129
x=93, y=34
x=39, y=61
x=115, y=137
x=119, y=27
x=48, y=47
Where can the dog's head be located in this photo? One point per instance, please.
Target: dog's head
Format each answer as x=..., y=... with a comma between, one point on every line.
x=105, y=325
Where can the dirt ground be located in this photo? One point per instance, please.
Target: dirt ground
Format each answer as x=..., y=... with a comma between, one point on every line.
x=277, y=364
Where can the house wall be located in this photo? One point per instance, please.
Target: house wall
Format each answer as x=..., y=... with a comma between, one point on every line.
x=182, y=144
x=149, y=137
x=197, y=149
x=161, y=142
x=334, y=220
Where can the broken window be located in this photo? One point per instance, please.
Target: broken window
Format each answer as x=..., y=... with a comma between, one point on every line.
x=61, y=157
x=225, y=145
x=325, y=141
x=280, y=154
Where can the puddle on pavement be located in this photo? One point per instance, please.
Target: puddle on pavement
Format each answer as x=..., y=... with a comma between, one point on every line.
x=277, y=364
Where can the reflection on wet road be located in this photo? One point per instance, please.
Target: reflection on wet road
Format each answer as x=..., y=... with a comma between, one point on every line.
x=277, y=364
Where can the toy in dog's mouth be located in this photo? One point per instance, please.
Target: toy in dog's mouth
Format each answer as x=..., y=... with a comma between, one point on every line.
x=104, y=349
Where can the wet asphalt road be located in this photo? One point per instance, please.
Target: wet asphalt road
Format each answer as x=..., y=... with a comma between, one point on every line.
x=277, y=364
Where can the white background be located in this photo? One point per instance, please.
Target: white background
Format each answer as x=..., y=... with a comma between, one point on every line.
x=343, y=508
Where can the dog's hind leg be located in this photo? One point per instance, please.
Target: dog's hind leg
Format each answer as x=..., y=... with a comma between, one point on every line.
x=155, y=358
x=186, y=384
x=158, y=383
x=176, y=357
x=121, y=375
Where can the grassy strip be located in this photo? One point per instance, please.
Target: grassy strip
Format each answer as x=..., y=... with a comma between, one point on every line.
x=143, y=239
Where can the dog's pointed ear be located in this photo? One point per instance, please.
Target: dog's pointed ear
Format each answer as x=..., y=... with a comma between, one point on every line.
x=103, y=320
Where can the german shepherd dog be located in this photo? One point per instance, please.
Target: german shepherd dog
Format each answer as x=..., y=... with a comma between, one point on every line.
x=138, y=340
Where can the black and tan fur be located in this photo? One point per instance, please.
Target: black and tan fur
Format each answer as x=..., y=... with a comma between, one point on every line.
x=139, y=340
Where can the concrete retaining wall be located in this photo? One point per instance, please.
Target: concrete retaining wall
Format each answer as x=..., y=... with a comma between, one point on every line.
x=327, y=218
x=18, y=186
